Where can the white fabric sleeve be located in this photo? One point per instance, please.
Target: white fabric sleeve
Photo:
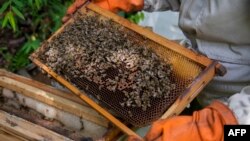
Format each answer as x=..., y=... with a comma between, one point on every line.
x=161, y=5
x=240, y=105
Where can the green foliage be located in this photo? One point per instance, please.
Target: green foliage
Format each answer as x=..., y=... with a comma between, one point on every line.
x=21, y=57
x=33, y=19
x=6, y=55
x=135, y=17
x=11, y=10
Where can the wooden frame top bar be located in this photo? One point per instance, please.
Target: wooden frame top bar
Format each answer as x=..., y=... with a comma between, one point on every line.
x=151, y=35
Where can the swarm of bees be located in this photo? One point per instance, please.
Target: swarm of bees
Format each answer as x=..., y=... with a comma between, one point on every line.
x=101, y=52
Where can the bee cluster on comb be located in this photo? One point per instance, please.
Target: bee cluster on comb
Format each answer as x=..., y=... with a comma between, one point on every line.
x=99, y=51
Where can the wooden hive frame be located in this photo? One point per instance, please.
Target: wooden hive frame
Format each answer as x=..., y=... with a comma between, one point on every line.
x=24, y=129
x=211, y=68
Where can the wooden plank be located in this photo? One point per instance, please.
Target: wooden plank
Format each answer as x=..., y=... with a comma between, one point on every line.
x=84, y=97
x=178, y=106
x=8, y=136
x=42, y=86
x=27, y=129
x=45, y=92
x=53, y=100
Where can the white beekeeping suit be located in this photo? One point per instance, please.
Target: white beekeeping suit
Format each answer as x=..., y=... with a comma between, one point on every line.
x=240, y=105
x=219, y=29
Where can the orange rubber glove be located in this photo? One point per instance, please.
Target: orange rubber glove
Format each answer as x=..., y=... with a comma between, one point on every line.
x=111, y=5
x=120, y=5
x=204, y=125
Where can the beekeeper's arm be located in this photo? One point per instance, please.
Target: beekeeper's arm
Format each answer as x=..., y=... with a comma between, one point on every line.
x=206, y=124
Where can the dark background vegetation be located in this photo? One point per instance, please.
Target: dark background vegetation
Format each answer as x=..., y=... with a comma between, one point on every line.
x=24, y=24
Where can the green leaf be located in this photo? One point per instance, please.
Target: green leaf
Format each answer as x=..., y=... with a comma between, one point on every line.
x=35, y=44
x=4, y=7
x=12, y=21
x=2, y=49
x=29, y=47
x=38, y=4
x=45, y=2
x=24, y=49
x=21, y=58
x=5, y=20
x=18, y=13
x=142, y=16
x=30, y=2
x=136, y=20
x=18, y=3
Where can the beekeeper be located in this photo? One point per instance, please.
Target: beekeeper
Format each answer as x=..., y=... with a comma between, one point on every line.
x=220, y=30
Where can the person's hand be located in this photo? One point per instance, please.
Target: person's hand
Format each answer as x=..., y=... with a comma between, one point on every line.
x=206, y=124
x=111, y=5
x=120, y=5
